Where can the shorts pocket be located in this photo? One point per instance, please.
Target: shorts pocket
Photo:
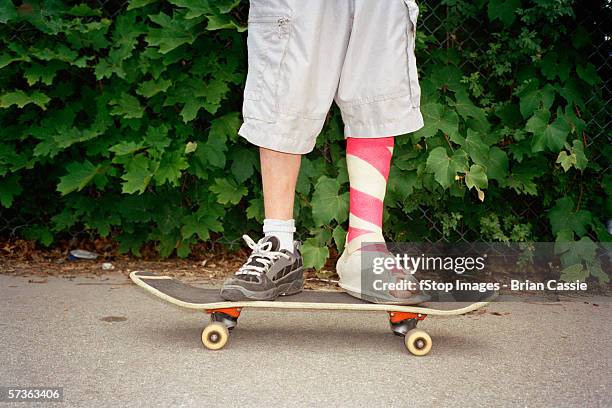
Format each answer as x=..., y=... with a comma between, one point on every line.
x=268, y=35
x=413, y=75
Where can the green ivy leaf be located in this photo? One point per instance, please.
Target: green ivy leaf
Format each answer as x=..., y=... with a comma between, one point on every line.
x=339, y=236
x=213, y=93
x=174, y=32
x=565, y=160
x=83, y=10
x=9, y=189
x=438, y=117
x=125, y=148
x=190, y=109
x=213, y=151
x=39, y=233
x=445, y=77
x=574, y=252
x=327, y=202
x=79, y=175
x=194, y=224
x=7, y=59
x=532, y=98
x=221, y=130
x=476, y=148
x=588, y=73
x=125, y=37
x=196, y=8
x=564, y=217
x=227, y=191
x=183, y=249
x=137, y=174
x=466, y=108
x=521, y=179
x=168, y=242
x=148, y=89
x=134, y=4
x=107, y=67
x=7, y=12
x=127, y=106
x=42, y=72
x=243, y=164
x=220, y=22
x=575, y=158
x=190, y=147
x=547, y=135
x=497, y=164
x=314, y=255
x=596, y=271
x=22, y=99
x=503, y=10
x=157, y=137
x=577, y=150
x=307, y=172
x=255, y=210
x=191, y=227
x=574, y=272
x=552, y=67
x=225, y=6
x=445, y=168
x=477, y=178
x=403, y=183
x=225, y=127
x=171, y=167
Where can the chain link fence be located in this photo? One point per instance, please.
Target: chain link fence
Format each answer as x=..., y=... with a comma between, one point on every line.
x=446, y=27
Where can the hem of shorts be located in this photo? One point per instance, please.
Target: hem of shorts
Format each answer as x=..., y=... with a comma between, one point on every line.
x=279, y=143
x=408, y=123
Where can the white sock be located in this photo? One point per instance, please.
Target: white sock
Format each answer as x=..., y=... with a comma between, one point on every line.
x=281, y=229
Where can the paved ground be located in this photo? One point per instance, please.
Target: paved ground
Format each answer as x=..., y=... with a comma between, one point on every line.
x=515, y=354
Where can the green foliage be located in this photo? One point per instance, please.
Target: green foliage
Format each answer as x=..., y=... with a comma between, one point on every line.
x=132, y=121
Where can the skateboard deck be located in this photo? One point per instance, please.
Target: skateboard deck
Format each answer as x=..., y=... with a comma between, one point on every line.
x=224, y=314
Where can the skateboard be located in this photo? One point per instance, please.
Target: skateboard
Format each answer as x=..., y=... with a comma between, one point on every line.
x=224, y=314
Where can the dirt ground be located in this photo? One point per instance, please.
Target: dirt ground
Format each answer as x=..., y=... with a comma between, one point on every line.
x=210, y=265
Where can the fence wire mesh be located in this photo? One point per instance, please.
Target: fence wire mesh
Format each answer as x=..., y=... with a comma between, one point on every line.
x=447, y=27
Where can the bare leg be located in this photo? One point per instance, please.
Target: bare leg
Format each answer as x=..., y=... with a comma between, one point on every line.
x=279, y=173
x=275, y=267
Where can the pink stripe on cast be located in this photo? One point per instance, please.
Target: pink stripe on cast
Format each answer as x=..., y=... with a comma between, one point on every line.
x=355, y=232
x=366, y=207
x=377, y=153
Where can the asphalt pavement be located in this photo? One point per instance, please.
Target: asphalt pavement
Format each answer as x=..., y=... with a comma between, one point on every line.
x=108, y=343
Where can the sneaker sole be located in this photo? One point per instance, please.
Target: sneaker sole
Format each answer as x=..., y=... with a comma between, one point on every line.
x=293, y=286
x=235, y=292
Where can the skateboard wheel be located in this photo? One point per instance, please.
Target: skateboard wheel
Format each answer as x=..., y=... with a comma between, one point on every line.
x=215, y=336
x=418, y=342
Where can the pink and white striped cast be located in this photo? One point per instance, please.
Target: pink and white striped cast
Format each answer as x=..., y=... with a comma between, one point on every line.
x=368, y=161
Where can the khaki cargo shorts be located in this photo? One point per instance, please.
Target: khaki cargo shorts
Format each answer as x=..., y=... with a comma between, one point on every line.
x=304, y=54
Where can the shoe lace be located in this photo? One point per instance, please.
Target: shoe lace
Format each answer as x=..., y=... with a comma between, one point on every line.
x=261, y=253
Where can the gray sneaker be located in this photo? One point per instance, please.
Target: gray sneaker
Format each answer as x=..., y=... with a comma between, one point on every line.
x=268, y=273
